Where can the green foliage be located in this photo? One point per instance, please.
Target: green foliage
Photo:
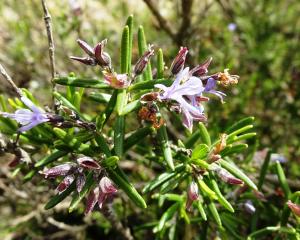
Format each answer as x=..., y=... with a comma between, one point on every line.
x=162, y=163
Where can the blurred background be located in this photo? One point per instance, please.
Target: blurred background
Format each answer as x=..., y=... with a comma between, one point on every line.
x=258, y=40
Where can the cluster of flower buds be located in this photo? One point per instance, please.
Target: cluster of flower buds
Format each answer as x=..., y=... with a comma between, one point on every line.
x=96, y=55
x=71, y=171
x=105, y=191
x=192, y=194
x=224, y=175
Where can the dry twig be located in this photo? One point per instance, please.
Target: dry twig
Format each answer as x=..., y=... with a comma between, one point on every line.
x=47, y=18
x=10, y=81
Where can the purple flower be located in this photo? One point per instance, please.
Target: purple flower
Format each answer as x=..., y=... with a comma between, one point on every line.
x=210, y=88
x=231, y=27
x=185, y=90
x=28, y=118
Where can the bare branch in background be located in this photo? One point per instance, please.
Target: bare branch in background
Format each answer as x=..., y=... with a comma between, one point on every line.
x=186, y=13
x=163, y=23
x=10, y=81
x=47, y=18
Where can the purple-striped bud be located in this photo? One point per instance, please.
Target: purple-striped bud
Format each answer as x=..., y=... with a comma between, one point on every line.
x=96, y=54
x=80, y=181
x=86, y=47
x=92, y=199
x=87, y=162
x=193, y=194
x=143, y=61
x=85, y=60
x=106, y=190
x=178, y=63
x=102, y=57
x=193, y=191
x=65, y=183
x=107, y=186
x=295, y=208
x=60, y=170
x=201, y=69
x=225, y=175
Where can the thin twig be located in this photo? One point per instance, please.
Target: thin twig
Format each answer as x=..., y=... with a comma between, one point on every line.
x=10, y=81
x=163, y=23
x=47, y=18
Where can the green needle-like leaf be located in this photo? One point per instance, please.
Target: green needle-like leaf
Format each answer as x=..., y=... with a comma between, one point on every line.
x=147, y=74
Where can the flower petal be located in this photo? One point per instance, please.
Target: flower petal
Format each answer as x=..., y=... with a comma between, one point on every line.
x=31, y=105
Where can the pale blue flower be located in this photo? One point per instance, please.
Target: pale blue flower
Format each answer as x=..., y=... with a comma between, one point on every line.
x=28, y=118
x=185, y=90
x=232, y=27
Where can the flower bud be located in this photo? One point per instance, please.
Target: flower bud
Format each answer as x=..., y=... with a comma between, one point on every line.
x=249, y=207
x=87, y=162
x=193, y=194
x=65, y=183
x=60, y=170
x=80, y=181
x=201, y=69
x=178, y=63
x=193, y=191
x=102, y=57
x=225, y=175
x=116, y=80
x=143, y=61
x=295, y=208
x=107, y=186
x=86, y=47
x=91, y=200
x=85, y=60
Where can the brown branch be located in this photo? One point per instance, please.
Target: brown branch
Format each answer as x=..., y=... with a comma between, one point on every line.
x=10, y=81
x=186, y=9
x=163, y=23
x=47, y=19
